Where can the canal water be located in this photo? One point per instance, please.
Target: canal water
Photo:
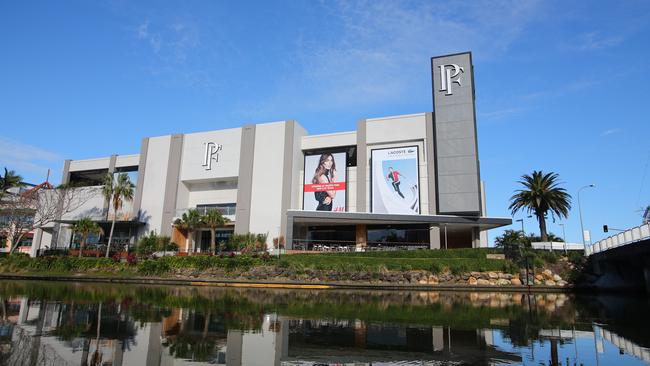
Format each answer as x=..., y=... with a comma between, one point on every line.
x=100, y=324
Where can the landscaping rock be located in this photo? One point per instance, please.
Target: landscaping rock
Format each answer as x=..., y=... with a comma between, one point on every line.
x=493, y=276
x=539, y=278
x=482, y=282
x=547, y=274
x=503, y=282
x=549, y=283
x=557, y=278
x=472, y=281
x=515, y=281
x=562, y=283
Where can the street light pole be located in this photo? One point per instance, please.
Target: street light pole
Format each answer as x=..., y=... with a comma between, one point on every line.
x=522, y=226
x=582, y=233
x=563, y=237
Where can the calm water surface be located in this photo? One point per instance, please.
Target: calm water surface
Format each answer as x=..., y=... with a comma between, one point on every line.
x=100, y=324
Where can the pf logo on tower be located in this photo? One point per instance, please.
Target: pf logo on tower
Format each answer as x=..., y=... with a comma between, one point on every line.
x=449, y=74
x=211, y=153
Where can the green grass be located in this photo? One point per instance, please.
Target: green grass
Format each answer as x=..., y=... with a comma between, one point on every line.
x=456, y=261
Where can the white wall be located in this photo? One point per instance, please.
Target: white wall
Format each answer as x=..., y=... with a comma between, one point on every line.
x=399, y=128
x=266, y=196
x=89, y=164
x=153, y=187
x=127, y=160
x=194, y=152
x=211, y=193
x=329, y=140
x=92, y=208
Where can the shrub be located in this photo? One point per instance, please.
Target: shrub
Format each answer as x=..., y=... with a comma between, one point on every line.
x=154, y=267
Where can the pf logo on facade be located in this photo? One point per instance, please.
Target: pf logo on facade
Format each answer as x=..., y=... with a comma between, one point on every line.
x=449, y=74
x=211, y=153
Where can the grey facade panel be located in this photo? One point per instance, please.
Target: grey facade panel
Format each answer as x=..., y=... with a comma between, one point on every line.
x=431, y=163
x=171, y=183
x=245, y=180
x=362, y=166
x=450, y=147
x=111, y=170
x=457, y=165
x=137, y=199
x=65, y=177
x=455, y=131
x=287, y=183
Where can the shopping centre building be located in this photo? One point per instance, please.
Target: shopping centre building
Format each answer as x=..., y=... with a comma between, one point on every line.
x=399, y=181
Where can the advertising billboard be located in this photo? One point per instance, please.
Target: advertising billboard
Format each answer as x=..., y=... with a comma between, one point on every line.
x=395, y=180
x=325, y=180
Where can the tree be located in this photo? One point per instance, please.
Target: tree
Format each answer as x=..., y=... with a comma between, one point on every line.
x=37, y=208
x=116, y=191
x=9, y=180
x=85, y=227
x=189, y=221
x=541, y=193
x=213, y=219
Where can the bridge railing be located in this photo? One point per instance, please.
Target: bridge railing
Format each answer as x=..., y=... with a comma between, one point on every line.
x=626, y=237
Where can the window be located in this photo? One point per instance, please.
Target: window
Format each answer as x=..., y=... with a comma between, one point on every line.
x=226, y=209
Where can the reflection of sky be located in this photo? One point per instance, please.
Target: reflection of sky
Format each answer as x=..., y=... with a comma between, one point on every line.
x=582, y=352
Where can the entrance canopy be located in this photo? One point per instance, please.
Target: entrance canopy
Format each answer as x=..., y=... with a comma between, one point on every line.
x=351, y=218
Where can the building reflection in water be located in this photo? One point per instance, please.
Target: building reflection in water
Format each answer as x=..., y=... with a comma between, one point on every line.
x=121, y=333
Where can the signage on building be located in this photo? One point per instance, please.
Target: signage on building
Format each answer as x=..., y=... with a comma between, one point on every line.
x=449, y=74
x=211, y=154
x=325, y=180
x=395, y=180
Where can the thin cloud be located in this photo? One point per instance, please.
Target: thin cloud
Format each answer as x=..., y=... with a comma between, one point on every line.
x=384, y=50
x=610, y=132
x=595, y=41
x=26, y=159
x=499, y=114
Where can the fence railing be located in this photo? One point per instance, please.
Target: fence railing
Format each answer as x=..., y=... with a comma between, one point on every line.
x=351, y=246
x=626, y=237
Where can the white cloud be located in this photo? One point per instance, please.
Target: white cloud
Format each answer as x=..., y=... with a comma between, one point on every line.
x=27, y=160
x=596, y=41
x=610, y=132
x=385, y=47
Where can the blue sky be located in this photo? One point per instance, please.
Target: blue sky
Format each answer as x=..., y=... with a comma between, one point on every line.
x=561, y=86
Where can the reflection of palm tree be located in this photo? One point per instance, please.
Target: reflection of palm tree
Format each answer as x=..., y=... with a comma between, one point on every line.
x=97, y=356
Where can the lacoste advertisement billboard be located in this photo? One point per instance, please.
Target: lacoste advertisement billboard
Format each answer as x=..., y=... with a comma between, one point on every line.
x=395, y=180
x=324, y=186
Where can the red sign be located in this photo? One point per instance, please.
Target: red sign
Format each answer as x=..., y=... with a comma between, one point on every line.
x=334, y=186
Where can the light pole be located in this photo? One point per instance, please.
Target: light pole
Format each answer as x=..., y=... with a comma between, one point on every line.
x=582, y=234
x=522, y=226
x=563, y=237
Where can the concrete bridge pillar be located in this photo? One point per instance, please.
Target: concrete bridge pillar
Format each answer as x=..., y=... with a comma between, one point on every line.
x=646, y=276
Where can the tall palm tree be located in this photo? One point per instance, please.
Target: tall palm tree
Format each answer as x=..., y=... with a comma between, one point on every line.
x=541, y=193
x=213, y=219
x=116, y=191
x=85, y=227
x=190, y=221
x=9, y=180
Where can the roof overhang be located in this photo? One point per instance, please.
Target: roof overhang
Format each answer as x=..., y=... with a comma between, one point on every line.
x=351, y=218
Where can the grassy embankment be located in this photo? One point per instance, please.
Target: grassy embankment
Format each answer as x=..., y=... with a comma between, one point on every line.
x=454, y=261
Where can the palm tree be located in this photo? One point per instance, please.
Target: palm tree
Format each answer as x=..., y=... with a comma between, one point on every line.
x=85, y=227
x=190, y=221
x=116, y=191
x=8, y=180
x=213, y=219
x=541, y=193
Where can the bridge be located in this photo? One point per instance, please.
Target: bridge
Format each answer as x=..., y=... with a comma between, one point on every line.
x=622, y=261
